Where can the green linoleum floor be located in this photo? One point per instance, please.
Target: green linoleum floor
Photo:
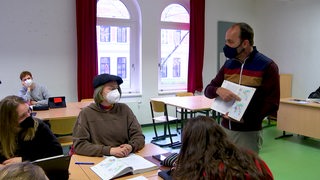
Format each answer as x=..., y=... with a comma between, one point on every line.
x=290, y=158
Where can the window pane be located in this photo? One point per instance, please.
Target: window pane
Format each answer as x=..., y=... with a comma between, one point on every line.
x=104, y=65
x=163, y=69
x=122, y=34
x=122, y=67
x=174, y=61
x=112, y=9
x=175, y=13
x=176, y=67
x=115, y=53
x=104, y=33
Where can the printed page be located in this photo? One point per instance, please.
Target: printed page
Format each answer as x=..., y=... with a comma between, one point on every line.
x=110, y=168
x=234, y=108
x=138, y=163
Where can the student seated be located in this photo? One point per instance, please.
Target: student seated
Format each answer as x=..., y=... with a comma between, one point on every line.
x=107, y=127
x=23, y=137
x=206, y=153
x=24, y=170
x=33, y=93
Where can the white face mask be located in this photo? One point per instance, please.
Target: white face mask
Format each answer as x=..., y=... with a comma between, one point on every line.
x=112, y=96
x=28, y=82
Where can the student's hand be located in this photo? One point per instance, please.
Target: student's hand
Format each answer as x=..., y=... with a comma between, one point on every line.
x=33, y=102
x=227, y=95
x=121, y=151
x=1, y=165
x=127, y=147
x=24, y=84
x=12, y=160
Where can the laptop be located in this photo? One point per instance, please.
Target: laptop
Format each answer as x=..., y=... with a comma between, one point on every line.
x=55, y=167
x=57, y=102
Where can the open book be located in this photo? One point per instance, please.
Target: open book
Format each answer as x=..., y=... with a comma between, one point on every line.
x=234, y=108
x=112, y=167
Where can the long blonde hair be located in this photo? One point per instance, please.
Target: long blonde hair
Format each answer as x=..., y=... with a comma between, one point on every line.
x=9, y=126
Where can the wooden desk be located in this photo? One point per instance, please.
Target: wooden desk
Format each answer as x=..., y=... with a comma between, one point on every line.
x=71, y=111
x=75, y=171
x=298, y=117
x=84, y=171
x=192, y=103
x=188, y=103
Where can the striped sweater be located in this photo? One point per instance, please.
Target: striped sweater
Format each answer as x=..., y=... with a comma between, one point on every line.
x=257, y=71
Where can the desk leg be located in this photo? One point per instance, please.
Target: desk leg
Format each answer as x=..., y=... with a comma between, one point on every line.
x=284, y=135
x=185, y=117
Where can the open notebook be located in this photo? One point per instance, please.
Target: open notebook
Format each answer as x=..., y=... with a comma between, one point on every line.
x=112, y=167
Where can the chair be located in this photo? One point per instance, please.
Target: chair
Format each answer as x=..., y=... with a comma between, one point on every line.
x=87, y=100
x=62, y=128
x=159, y=115
x=285, y=92
x=182, y=111
x=179, y=110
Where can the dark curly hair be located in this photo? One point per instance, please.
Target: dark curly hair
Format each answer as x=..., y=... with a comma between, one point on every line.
x=206, y=153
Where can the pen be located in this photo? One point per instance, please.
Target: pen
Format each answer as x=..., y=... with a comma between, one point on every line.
x=85, y=163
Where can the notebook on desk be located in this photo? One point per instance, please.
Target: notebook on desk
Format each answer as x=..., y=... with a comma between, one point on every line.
x=315, y=100
x=57, y=102
x=56, y=167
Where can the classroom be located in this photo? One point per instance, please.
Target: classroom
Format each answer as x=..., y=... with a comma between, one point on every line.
x=40, y=36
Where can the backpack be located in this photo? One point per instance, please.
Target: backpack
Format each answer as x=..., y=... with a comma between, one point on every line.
x=315, y=94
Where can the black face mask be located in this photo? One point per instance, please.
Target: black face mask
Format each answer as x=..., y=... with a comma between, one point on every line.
x=28, y=122
x=230, y=52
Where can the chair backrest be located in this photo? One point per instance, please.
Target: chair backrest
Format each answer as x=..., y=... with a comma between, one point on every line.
x=184, y=94
x=87, y=100
x=62, y=126
x=285, y=85
x=157, y=106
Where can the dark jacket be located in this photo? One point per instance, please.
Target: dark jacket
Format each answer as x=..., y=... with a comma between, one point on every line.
x=315, y=94
x=43, y=145
x=259, y=72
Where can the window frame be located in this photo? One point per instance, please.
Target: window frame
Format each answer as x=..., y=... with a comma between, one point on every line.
x=134, y=23
x=167, y=89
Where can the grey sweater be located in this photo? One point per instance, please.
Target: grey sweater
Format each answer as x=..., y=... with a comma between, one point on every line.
x=39, y=93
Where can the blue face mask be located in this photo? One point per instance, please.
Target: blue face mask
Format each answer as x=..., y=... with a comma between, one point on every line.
x=230, y=52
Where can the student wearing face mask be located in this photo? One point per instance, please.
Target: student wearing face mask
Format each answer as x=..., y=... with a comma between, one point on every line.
x=107, y=127
x=33, y=93
x=23, y=137
x=246, y=66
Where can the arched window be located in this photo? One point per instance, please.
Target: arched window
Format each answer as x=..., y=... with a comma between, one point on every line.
x=173, y=62
x=118, y=40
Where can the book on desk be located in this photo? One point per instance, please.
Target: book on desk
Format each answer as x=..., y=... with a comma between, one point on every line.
x=112, y=167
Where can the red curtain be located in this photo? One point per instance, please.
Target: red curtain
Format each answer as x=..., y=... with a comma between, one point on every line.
x=86, y=11
x=196, y=45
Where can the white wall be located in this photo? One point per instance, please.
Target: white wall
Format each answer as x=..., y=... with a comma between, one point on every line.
x=289, y=32
x=222, y=10
x=40, y=36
